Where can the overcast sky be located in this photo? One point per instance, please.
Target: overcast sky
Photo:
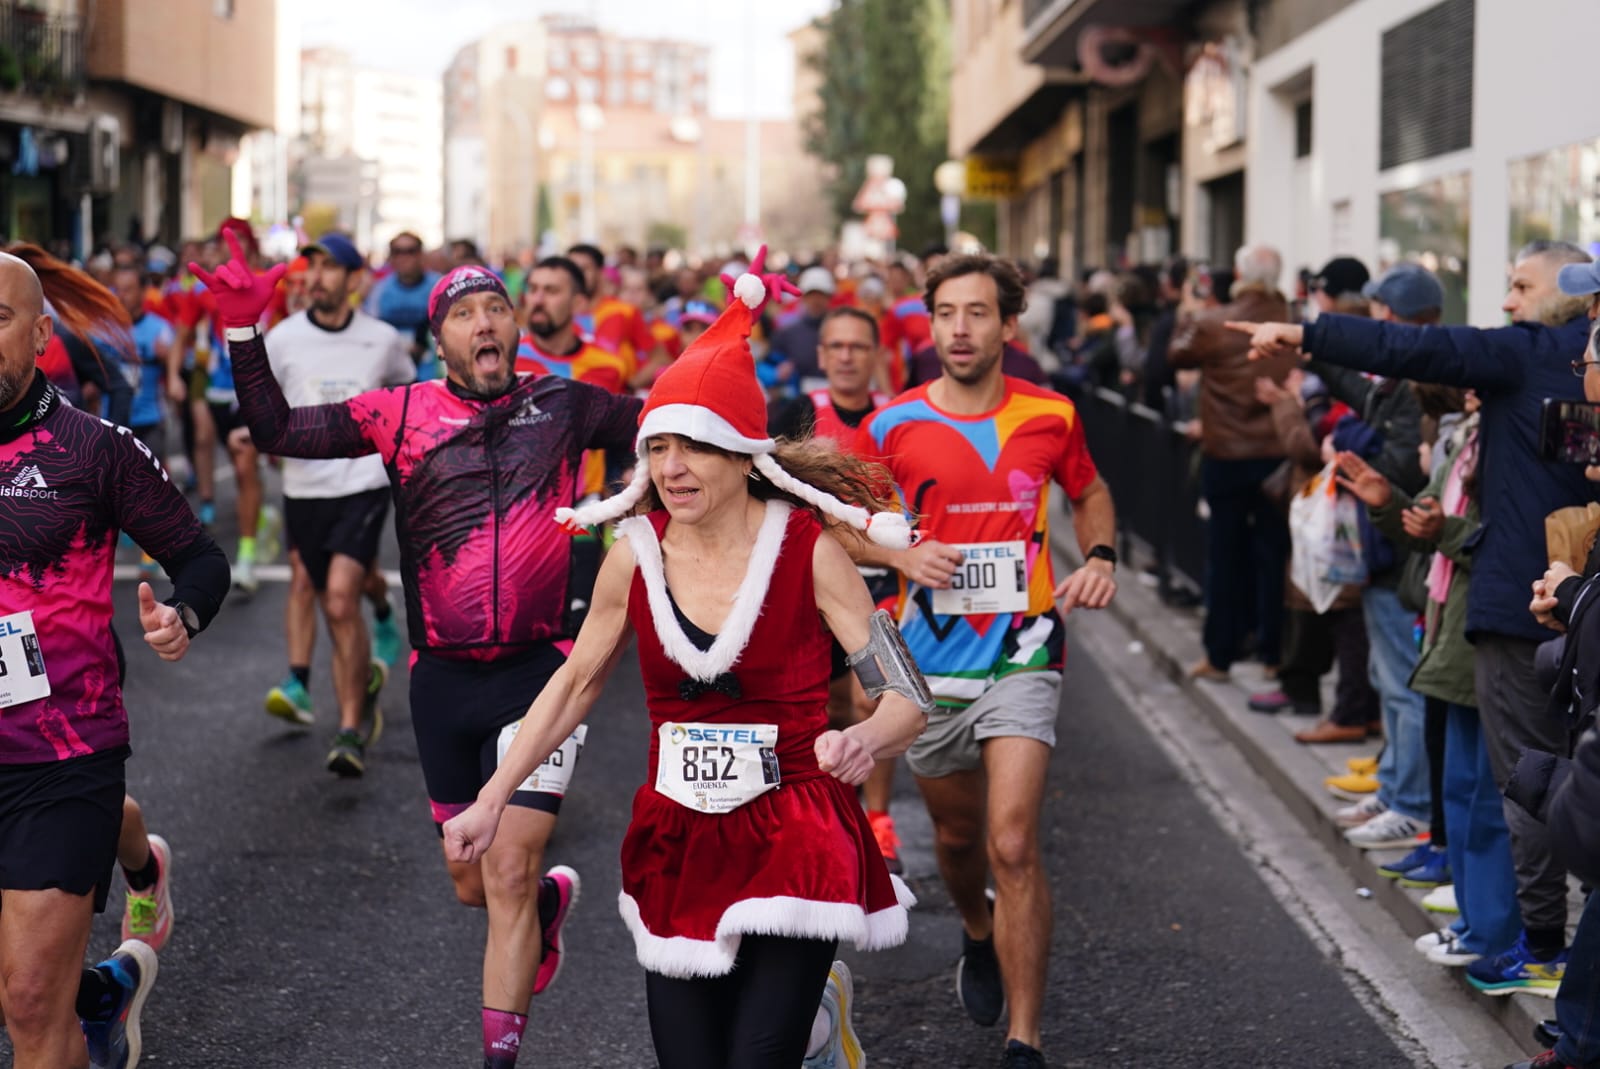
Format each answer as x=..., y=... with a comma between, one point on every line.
x=751, y=68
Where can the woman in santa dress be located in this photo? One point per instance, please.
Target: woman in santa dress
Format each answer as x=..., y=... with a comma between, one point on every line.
x=748, y=857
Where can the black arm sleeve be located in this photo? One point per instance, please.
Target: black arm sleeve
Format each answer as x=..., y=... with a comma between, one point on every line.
x=200, y=577
x=316, y=431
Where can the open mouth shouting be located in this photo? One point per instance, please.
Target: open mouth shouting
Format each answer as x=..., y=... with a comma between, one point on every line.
x=488, y=356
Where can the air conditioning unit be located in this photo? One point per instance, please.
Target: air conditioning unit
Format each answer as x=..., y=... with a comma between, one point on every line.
x=105, y=154
x=171, y=127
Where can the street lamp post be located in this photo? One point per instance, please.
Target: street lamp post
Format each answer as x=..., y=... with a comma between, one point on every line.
x=590, y=120
x=950, y=179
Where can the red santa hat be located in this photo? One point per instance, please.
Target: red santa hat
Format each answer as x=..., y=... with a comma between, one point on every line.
x=710, y=394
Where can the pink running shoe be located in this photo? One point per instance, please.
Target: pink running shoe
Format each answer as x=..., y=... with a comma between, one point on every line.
x=148, y=914
x=558, y=893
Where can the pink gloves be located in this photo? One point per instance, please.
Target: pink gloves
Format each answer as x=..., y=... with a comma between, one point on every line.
x=775, y=282
x=240, y=293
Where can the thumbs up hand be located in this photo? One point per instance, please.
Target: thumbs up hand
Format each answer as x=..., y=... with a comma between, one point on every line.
x=163, y=629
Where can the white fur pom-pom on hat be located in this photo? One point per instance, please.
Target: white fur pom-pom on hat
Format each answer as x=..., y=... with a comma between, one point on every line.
x=751, y=290
x=889, y=530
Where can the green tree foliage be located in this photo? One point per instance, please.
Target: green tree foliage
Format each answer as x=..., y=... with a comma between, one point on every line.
x=885, y=69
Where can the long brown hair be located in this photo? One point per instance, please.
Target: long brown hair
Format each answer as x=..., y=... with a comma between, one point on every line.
x=819, y=462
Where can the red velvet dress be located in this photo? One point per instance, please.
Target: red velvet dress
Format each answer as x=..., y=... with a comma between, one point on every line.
x=799, y=860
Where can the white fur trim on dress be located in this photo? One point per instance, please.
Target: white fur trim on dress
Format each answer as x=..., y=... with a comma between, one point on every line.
x=748, y=600
x=611, y=508
x=701, y=424
x=800, y=918
x=884, y=528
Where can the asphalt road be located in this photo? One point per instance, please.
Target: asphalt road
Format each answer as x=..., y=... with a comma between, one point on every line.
x=316, y=926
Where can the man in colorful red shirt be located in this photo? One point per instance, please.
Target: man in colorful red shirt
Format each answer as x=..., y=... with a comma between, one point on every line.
x=614, y=324
x=974, y=453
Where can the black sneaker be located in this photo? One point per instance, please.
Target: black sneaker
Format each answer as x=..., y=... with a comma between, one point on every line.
x=978, y=983
x=1019, y=1055
x=347, y=759
x=1547, y=1032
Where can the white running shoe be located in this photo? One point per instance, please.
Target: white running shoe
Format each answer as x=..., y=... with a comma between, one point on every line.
x=1441, y=900
x=1353, y=816
x=1426, y=943
x=1452, y=954
x=244, y=576
x=1388, y=831
x=843, y=1049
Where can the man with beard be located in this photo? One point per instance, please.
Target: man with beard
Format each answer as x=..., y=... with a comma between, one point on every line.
x=553, y=295
x=478, y=463
x=974, y=453
x=71, y=483
x=334, y=510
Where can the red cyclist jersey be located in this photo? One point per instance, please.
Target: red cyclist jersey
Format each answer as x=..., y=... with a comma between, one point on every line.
x=828, y=424
x=620, y=328
x=475, y=483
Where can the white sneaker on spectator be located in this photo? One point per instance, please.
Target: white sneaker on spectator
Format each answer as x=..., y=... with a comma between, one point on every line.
x=1441, y=900
x=1426, y=943
x=1353, y=816
x=1386, y=831
x=1452, y=953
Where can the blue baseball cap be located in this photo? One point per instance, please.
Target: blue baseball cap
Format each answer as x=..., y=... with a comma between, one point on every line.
x=338, y=248
x=1408, y=290
x=1580, y=280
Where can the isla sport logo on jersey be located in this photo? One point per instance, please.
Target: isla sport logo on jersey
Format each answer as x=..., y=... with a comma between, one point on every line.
x=29, y=482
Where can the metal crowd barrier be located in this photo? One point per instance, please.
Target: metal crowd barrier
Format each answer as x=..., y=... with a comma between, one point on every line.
x=1154, y=476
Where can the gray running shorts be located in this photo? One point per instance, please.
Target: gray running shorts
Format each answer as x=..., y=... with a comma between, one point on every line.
x=1023, y=705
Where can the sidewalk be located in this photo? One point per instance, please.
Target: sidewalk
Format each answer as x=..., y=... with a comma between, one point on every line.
x=1295, y=772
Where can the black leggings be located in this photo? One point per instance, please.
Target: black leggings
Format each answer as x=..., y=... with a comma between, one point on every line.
x=757, y=1016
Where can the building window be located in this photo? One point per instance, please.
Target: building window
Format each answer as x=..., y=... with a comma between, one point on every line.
x=1302, y=129
x=1552, y=196
x=641, y=91
x=616, y=91
x=1428, y=224
x=558, y=59
x=1426, y=99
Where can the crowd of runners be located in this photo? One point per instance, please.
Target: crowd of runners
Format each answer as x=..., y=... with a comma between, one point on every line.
x=816, y=501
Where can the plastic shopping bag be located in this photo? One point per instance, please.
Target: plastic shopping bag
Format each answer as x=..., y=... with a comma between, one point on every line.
x=1346, y=563
x=1325, y=532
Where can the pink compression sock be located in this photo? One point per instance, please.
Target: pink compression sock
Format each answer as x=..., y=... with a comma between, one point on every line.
x=502, y=1038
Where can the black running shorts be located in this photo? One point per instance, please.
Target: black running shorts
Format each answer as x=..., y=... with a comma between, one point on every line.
x=59, y=823
x=319, y=527
x=458, y=709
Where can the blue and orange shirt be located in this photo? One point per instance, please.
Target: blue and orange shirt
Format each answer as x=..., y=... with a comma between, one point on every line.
x=983, y=480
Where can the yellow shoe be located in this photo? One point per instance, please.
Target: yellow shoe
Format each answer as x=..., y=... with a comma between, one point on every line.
x=1352, y=787
x=1363, y=766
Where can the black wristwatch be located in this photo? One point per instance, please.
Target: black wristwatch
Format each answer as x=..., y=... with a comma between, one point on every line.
x=1102, y=552
x=190, y=618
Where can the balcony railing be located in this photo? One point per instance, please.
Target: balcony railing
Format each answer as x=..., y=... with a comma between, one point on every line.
x=41, y=53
